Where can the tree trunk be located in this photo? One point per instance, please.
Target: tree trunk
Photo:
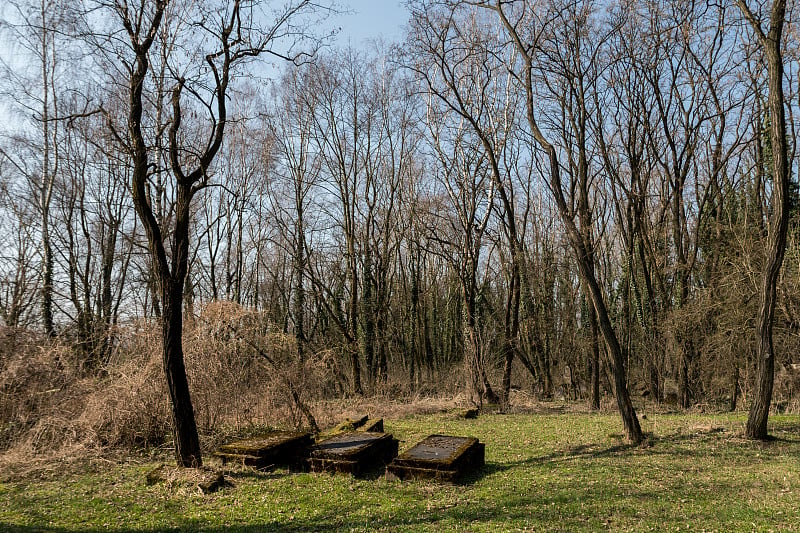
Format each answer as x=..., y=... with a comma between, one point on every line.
x=368, y=310
x=187, y=442
x=630, y=421
x=171, y=284
x=471, y=364
x=779, y=220
x=594, y=361
x=734, y=389
x=299, y=304
x=584, y=258
x=47, y=278
x=684, y=389
x=48, y=174
x=355, y=361
x=511, y=326
x=508, y=360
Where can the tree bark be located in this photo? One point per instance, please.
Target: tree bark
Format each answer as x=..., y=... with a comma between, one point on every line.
x=48, y=174
x=187, y=442
x=594, y=360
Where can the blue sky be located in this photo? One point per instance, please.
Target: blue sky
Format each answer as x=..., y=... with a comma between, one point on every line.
x=371, y=19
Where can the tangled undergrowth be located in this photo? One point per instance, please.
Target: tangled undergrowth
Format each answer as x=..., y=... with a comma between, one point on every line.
x=52, y=410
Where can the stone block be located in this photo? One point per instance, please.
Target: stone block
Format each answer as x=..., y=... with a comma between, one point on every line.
x=356, y=452
x=276, y=448
x=439, y=457
x=373, y=425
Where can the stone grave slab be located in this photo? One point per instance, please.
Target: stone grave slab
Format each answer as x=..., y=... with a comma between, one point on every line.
x=355, y=452
x=373, y=425
x=345, y=426
x=285, y=448
x=439, y=457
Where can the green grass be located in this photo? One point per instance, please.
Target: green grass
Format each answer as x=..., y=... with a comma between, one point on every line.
x=547, y=472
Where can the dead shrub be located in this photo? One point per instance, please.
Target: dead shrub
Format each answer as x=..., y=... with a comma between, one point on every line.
x=243, y=370
x=240, y=370
x=130, y=408
x=244, y=373
x=38, y=377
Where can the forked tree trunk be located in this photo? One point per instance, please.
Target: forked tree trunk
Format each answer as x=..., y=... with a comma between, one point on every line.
x=171, y=283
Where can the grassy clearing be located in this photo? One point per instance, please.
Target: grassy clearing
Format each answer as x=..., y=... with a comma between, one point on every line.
x=545, y=472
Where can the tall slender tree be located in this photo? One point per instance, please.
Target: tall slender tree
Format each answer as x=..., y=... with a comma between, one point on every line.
x=525, y=28
x=770, y=42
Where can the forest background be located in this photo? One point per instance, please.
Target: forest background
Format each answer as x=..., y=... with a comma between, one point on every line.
x=382, y=221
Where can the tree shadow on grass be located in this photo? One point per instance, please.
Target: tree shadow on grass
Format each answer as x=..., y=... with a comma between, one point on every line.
x=546, y=508
x=583, y=451
x=788, y=432
x=589, y=451
x=516, y=508
x=524, y=508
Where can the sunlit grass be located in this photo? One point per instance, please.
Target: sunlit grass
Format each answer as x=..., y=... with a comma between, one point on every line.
x=552, y=472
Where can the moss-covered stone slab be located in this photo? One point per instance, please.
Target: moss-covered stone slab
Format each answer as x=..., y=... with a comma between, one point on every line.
x=355, y=452
x=284, y=448
x=345, y=426
x=373, y=425
x=213, y=483
x=439, y=457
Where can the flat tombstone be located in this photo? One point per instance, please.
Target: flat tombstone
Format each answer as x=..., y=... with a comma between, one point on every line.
x=355, y=453
x=373, y=425
x=288, y=448
x=347, y=425
x=439, y=457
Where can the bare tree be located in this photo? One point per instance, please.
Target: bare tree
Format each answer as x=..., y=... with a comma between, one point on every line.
x=18, y=272
x=342, y=137
x=465, y=208
x=770, y=41
x=524, y=25
x=569, y=67
x=621, y=133
x=459, y=62
x=36, y=27
x=92, y=207
x=235, y=33
x=297, y=172
x=389, y=117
